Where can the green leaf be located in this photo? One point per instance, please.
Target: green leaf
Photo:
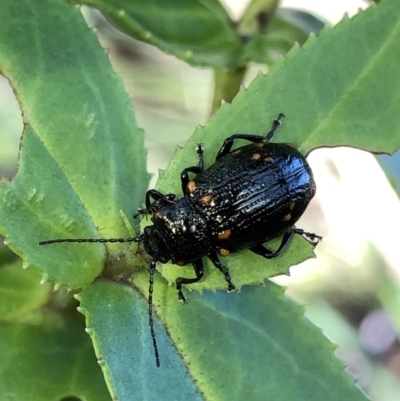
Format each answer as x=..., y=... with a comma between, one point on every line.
x=42, y=363
x=20, y=291
x=233, y=346
x=117, y=320
x=6, y=255
x=285, y=29
x=308, y=23
x=256, y=17
x=269, y=47
x=226, y=86
x=196, y=31
x=271, y=33
x=82, y=157
x=340, y=89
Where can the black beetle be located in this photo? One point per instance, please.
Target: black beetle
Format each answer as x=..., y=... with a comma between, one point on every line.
x=247, y=197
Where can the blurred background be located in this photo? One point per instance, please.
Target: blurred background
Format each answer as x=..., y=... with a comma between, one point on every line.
x=352, y=289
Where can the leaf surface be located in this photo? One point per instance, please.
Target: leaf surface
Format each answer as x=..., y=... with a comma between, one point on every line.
x=340, y=89
x=49, y=362
x=199, y=32
x=218, y=347
x=82, y=156
x=21, y=291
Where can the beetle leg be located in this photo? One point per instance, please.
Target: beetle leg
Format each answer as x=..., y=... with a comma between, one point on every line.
x=199, y=270
x=228, y=143
x=159, y=200
x=157, y=196
x=200, y=153
x=185, y=176
x=216, y=262
x=261, y=250
x=312, y=238
x=275, y=124
x=194, y=169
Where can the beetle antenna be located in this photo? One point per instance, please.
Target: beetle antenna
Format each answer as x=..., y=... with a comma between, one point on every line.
x=152, y=269
x=101, y=240
x=276, y=123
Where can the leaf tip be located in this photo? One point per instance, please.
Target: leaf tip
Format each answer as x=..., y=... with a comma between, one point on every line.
x=187, y=55
x=345, y=16
x=45, y=279
x=147, y=35
x=281, y=57
x=161, y=173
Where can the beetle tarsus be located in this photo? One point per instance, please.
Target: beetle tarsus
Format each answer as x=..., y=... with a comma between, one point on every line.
x=181, y=297
x=275, y=124
x=312, y=238
x=231, y=287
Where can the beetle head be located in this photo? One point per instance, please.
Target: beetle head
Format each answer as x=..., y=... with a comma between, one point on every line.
x=155, y=245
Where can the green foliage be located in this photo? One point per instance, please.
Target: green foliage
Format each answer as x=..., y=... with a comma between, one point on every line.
x=82, y=162
x=20, y=291
x=196, y=31
x=334, y=92
x=69, y=177
x=213, y=340
x=49, y=361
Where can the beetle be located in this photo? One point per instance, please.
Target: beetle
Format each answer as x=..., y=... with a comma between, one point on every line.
x=250, y=195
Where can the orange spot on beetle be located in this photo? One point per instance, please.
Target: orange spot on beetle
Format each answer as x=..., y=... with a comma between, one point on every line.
x=290, y=144
x=256, y=156
x=205, y=200
x=237, y=151
x=191, y=186
x=224, y=234
x=292, y=205
x=223, y=252
x=268, y=159
x=287, y=217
